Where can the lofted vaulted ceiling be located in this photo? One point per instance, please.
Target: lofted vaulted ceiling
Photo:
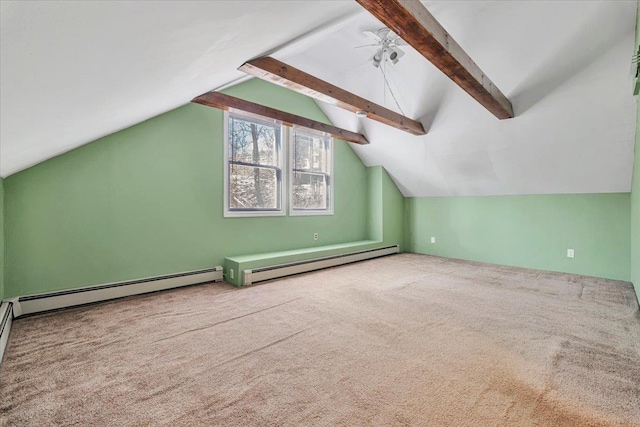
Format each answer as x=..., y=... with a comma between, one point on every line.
x=72, y=72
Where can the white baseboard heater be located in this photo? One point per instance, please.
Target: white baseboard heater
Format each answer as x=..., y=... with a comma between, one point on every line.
x=282, y=270
x=61, y=299
x=6, y=318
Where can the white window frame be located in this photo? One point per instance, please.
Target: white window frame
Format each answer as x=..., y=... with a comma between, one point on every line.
x=282, y=155
x=309, y=212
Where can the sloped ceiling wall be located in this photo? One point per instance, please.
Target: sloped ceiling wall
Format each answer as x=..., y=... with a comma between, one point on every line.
x=72, y=72
x=566, y=67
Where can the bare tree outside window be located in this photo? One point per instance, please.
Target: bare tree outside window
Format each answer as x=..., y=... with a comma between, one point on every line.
x=310, y=181
x=255, y=177
x=255, y=174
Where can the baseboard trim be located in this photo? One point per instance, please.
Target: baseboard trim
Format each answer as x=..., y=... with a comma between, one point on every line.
x=636, y=294
x=6, y=318
x=38, y=303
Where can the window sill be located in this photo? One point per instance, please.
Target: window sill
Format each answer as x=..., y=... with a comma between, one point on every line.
x=252, y=214
x=309, y=213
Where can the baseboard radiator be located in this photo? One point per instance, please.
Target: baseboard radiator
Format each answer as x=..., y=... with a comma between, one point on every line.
x=282, y=270
x=6, y=317
x=68, y=298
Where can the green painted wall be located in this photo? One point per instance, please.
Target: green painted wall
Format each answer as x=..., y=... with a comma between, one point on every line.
x=527, y=231
x=635, y=213
x=149, y=201
x=635, y=197
x=1, y=239
x=385, y=220
x=393, y=211
x=375, y=212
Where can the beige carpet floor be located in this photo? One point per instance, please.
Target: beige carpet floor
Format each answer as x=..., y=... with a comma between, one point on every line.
x=402, y=340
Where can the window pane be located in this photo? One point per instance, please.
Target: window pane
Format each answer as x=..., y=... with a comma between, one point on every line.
x=309, y=152
x=253, y=187
x=309, y=191
x=253, y=142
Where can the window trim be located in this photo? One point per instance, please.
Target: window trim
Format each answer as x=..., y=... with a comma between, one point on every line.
x=290, y=172
x=282, y=155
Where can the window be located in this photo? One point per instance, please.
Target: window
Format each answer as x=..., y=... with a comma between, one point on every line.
x=254, y=175
x=253, y=155
x=311, y=167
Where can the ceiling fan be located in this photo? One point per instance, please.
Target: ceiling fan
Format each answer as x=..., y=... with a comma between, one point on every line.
x=387, y=43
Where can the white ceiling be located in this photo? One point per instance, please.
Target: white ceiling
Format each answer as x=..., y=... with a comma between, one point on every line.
x=68, y=77
x=566, y=67
x=74, y=71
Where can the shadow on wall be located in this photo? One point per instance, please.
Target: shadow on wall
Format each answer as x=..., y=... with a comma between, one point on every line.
x=385, y=220
x=587, y=41
x=428, y=115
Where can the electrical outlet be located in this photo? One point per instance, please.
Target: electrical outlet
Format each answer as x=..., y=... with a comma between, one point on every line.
x=570, y=253
x=433, y=239
x=315, y=236
x=231, y=273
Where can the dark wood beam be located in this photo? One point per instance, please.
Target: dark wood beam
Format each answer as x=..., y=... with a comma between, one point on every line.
x=415, y=25
x=231, y=103
x=278, y=72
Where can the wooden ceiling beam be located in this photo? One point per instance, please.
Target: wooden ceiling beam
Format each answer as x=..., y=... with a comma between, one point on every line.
x=274, y=71
x=415, y=25
x=231, y=103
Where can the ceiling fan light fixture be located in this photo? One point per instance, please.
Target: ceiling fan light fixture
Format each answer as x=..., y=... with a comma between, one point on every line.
x=377, y=58
x=395, y=55
x=387, y=42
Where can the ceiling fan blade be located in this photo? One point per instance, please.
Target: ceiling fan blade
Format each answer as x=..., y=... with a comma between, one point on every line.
x=366, y=45
x=372, y=35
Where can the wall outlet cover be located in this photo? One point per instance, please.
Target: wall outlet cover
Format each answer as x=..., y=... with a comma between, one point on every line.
x=315, y=236
x=433, y=239
x=570, y=253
